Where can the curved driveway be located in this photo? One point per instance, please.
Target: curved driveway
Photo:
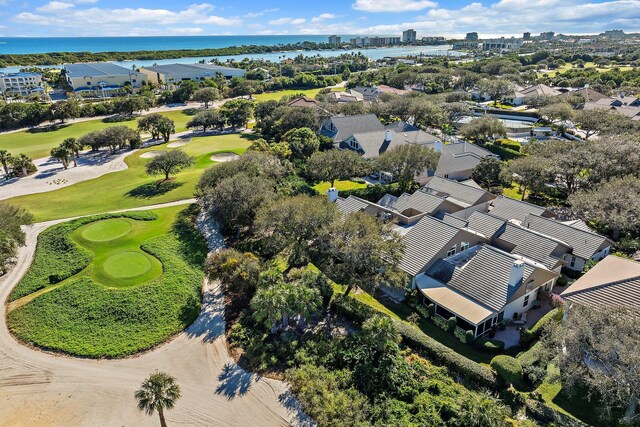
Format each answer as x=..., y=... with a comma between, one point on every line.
x=38, y=388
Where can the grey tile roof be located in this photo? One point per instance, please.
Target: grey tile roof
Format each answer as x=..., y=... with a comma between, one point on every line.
x=531, y=245
x=373, y=144
x=350, y=204
x=348, y=125
x=191, y=68
x=584, y=243
x=419, y=201
x=97, y=69
x=507, y=208
x=425, y=240
x=401, y=126
x=460, y=157
x=484, y=278
x=614, y=281
x=485, y=223
x=387, y=200
x=451, y=220
x=453, y=189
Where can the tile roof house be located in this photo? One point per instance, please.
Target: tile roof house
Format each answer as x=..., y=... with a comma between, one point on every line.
x=303, y=101
x=520, y=97
x=339, y=128
x=586, y=245
x=432, y=239
x=508, y=209
x=482, y=286
x=465, y=196
x=614, y=281
x=458, y=160
x=374, y=143
x=588, y=94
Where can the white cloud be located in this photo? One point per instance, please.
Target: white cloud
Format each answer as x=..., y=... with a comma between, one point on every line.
x=55, y=6
x=256, y=14
x=323, y=17
x=284, y=21
x=392, y=6
x=104, y=21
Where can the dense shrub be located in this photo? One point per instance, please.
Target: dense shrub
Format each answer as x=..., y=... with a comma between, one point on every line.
x=509, y=144
x=372, y=193
x=353, y=309
x=530, y=335
x=508, y=369
x=58, y=257
x=489, y=345
x=504, y=153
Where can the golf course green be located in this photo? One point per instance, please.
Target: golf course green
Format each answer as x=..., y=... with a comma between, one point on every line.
x=111, y=285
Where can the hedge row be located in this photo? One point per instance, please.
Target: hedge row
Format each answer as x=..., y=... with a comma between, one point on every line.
x=543, y=412
x=372, y=193
x=530, y=335
x=58, y=257
x=508, y=369
x=504, y=153
x=421, y=343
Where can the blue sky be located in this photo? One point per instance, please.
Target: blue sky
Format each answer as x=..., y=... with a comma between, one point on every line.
x=372, y=17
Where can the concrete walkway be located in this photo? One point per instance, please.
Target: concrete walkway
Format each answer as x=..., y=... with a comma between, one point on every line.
x=39, y=388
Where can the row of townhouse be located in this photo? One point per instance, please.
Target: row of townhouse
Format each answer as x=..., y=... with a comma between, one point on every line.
x=479, y=257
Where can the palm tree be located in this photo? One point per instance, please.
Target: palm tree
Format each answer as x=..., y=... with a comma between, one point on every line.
x=61, y=153
x=5, y=160
x=74, y=146
x=157, y=393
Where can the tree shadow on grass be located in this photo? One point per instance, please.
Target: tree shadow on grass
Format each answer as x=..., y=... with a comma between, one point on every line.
x=234, y=381
x=153, y=189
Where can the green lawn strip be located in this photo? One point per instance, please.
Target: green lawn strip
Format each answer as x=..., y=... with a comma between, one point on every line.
x=88, y=319
x=322, y=187
x=267, y=96
x=38, y=142
x=132, y=187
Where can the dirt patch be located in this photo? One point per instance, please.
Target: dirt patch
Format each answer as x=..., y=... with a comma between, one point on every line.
x=224, y=157
x=150, y=154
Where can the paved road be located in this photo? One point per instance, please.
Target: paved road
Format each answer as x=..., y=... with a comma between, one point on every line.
x=38, y=388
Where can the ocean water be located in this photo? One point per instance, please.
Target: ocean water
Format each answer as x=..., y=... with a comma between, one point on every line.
x=123, y=44
x=17, y=45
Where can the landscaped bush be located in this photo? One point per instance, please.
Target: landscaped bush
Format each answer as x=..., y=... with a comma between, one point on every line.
x=58, y=257
x=439, y=353
x=372, y=193
x=353, y=309
x=504, y=153
x=508, y=369
x=489, y=345
x=451, y=324
x=562, y=281
x=530, y=335
x=509, y=144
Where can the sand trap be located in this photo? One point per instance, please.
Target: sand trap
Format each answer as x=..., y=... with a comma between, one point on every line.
x=224, y=157
x=176, y=144
x=150, y=154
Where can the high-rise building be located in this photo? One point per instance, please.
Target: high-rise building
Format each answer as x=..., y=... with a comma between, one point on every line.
x=471, y=37
x=409, y=36
x=526, y=36
x=335, y=40
x=547, y=35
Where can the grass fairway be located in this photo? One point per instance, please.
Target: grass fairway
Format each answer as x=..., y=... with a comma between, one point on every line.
x=38, y=143
x=132, y=187
x=310, y=93
x=138, y=287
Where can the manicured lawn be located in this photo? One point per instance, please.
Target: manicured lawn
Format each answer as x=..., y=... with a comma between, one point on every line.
x=322, y=187
x=132, y=187
x=513, y=192
x=38, y=143
x=310, y=93
x=136, y=290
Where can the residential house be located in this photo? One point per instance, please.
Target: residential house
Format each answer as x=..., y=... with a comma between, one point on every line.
x=483, y=285
x=589, y=95
x=612, y=282
x=339, y=128
x=371, y=93
x=374, y=143
x=101, y=78
x=457, y=160
x=628, y=106
x=20, y=84
x=511, y=209
x=345, y=97
x=520, y=97
x=585, y=245
x=303, y=101
x=468, y=198
x=175, y=73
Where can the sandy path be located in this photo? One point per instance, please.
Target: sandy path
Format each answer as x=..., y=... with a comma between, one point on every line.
x=38, y=388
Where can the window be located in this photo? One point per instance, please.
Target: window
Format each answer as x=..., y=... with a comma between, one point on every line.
x=573, y=261
x=88, y=83
x=452, y=251
x=526, y=301
x=464, y=246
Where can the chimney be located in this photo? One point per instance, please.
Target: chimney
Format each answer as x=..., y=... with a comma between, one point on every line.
x=332, y=194
x=387, y=136
x=517, y=273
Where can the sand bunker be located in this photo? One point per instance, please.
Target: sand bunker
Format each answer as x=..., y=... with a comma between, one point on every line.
x=176, y=144
x=150, y=154
x=224, y=157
